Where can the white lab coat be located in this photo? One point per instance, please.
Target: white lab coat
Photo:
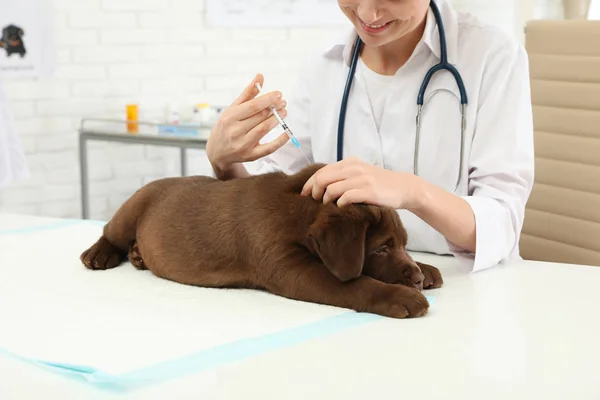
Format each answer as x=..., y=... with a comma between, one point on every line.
x=13, y=165
x=498, y=166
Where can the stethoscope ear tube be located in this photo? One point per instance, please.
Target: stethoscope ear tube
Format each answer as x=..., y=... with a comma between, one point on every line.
x=443, y=65
x=346, y=95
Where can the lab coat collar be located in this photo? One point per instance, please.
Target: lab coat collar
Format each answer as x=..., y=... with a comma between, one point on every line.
x=343, y=48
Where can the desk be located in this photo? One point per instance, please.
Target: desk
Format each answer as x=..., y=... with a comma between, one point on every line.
x=110, y=130
x=524, y=330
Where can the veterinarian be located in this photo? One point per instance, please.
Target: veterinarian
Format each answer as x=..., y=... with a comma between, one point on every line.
x=13, y=165
x=459, y=173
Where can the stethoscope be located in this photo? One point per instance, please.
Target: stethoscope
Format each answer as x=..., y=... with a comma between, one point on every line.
x=443, y=65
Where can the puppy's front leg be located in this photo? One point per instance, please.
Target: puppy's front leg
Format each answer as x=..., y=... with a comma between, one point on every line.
x=312, y=282
x=433, y=276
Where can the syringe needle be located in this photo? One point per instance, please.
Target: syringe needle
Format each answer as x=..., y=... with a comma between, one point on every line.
x=287, y=130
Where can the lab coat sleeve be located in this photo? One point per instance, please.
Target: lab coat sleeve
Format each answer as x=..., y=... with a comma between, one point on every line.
x=288, y=158
x=13, y=164
x=501, y=162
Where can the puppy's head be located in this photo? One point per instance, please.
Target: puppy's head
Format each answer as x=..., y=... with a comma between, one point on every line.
x=363, y=240
x=12, y=34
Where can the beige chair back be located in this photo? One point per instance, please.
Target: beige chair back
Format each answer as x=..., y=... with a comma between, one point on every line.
x=562, y=220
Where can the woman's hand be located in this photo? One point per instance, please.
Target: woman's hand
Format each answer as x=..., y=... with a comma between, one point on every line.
x=354, y=181
x=236, y=134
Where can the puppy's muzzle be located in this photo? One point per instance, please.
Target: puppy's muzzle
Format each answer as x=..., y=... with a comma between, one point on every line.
x=413, y=277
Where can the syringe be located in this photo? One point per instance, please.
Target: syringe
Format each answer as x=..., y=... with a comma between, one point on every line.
x=287, y=130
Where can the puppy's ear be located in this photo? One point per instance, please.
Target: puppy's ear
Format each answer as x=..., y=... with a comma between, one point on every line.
x=339, y=241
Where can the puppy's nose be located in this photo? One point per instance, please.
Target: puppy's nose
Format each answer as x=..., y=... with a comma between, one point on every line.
x=417, y=279
x=414, y=276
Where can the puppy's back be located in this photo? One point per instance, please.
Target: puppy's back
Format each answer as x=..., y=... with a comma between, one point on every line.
x=200, y=224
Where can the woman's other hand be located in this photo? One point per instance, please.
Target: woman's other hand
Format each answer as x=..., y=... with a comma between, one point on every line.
x=355, y=181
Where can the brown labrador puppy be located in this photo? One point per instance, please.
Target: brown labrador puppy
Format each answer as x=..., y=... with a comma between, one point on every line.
x=260, y=233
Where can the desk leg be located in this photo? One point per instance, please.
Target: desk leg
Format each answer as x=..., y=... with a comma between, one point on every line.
x=184, y=161
x=83, y=165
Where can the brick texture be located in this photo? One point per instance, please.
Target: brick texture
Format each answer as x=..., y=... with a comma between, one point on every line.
x=112, y=52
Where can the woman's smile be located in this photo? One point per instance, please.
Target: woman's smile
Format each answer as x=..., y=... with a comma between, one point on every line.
x=374, y=28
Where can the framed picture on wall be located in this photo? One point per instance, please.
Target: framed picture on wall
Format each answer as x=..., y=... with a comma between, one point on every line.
x=25, y=38
x=274, y=14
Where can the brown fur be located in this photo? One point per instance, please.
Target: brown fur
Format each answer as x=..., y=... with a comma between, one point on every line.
x=260, y=233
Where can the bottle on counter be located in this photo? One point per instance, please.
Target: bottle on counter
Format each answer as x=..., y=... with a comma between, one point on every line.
x=202, y=114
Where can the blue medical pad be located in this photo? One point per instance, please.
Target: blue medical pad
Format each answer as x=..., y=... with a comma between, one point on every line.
x=185, y=364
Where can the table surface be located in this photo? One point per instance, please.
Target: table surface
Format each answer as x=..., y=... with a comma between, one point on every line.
x=522, y=330
x=106, y=128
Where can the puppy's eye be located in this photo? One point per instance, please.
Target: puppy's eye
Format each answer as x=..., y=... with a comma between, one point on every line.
x=381, y=249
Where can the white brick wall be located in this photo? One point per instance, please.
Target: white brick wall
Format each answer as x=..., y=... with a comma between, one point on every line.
x=111, y=52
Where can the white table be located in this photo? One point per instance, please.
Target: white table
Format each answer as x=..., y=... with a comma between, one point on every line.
x=525, y=330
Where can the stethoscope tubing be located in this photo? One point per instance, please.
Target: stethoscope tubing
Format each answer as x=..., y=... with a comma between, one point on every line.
x=441, y=66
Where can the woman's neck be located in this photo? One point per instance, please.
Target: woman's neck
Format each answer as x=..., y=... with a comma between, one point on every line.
x=389, y=58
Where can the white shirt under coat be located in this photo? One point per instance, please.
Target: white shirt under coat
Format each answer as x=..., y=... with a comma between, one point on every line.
x=498, y=167
x=13, y=165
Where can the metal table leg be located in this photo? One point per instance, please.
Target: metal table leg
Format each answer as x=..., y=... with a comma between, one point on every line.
x=86, y=136
x=83, y=168
x=184, y=161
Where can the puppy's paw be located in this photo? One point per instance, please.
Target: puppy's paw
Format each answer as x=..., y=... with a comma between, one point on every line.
x=433, y=276
x=399, y=301
x=102, y=255
x=135, y=258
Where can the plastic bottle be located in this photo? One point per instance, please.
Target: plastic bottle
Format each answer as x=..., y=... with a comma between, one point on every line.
x=202, y=113
x=132, y=115
x=172, y=113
